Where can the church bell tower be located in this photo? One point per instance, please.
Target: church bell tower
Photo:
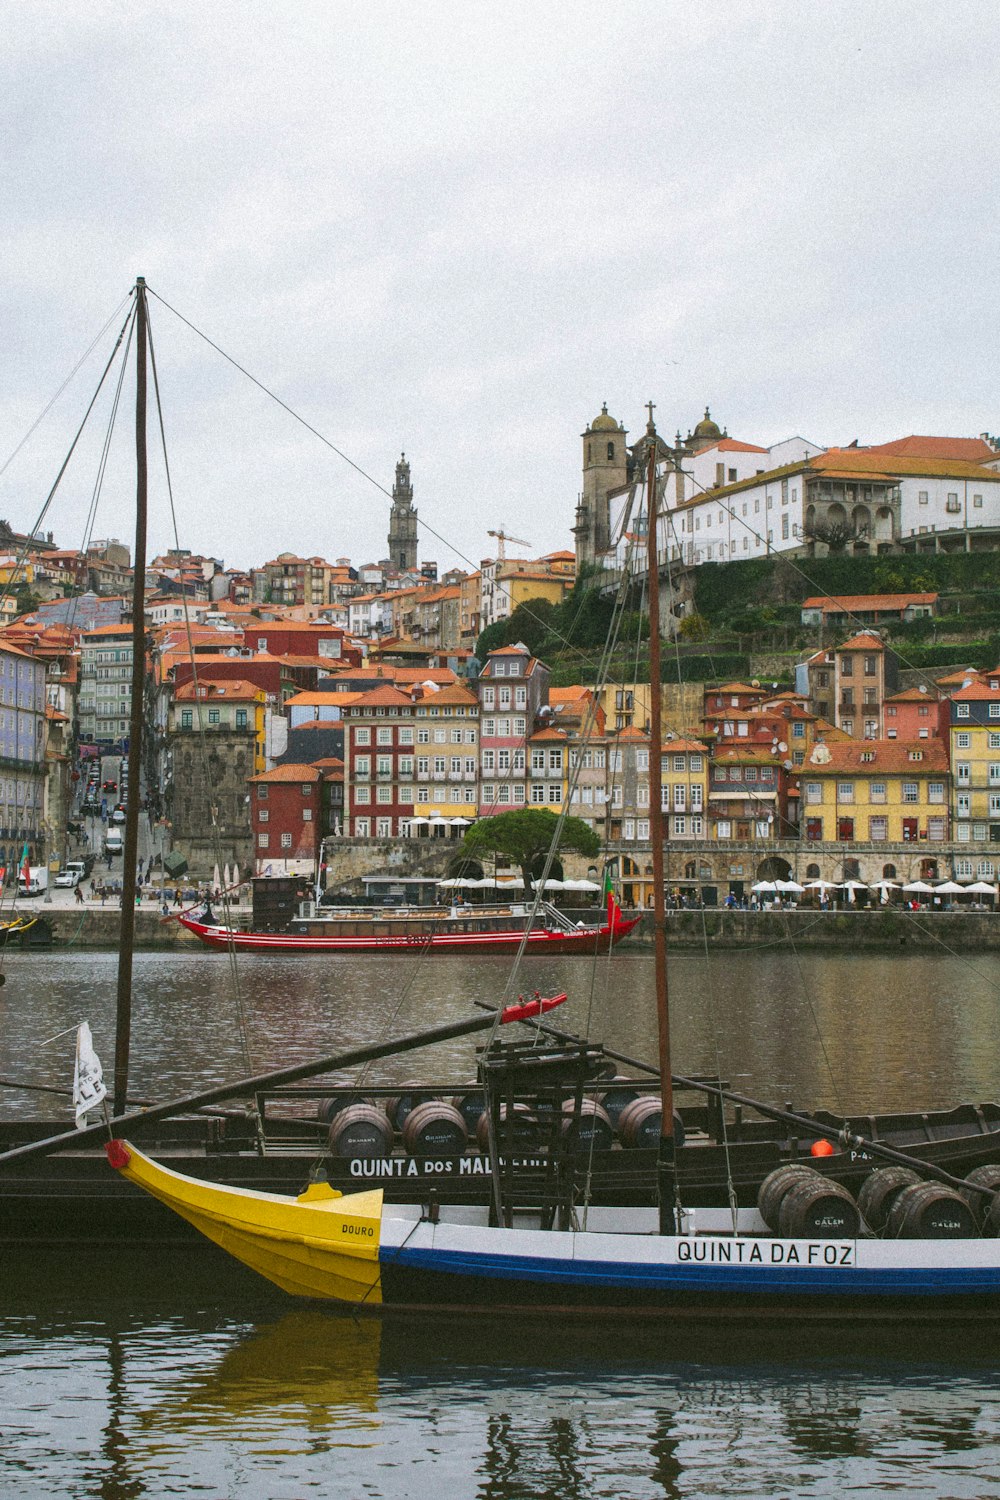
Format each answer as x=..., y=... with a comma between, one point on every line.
x=403, y=521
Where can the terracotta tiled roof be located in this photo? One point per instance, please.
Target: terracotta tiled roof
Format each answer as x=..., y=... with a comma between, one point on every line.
x=886, y=756
x=381, y=697
x=855, y=603
x=237, y=690
x=319, y=700
x=549, y=734
x=975, y=450
x=863, y=641
x=977, y=691
x=289, y=772
x=913, y=695
x=455, y=696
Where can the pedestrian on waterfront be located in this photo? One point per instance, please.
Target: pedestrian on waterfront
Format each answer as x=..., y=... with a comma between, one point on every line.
x=177, y=897
x=104, y=894
x=79, y=895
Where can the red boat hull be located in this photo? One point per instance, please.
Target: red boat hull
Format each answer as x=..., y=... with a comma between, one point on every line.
x=583, y=941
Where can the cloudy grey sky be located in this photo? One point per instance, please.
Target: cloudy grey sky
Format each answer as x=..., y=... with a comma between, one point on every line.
x=457, y=228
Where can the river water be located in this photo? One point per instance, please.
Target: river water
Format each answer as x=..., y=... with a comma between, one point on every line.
x=126, y=1376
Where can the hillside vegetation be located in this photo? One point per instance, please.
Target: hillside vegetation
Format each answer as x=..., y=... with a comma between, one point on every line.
x=746, y=619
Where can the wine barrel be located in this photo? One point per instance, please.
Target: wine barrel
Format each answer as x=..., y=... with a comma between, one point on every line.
x=639, y=1123
x=470, y=1106
x=987, y=1177
x=435, y=1128
x=779, y=1182
x=361, y=1130
x=931, y=1211
x=614, y=1099
x=524, y=1126
x=822, y=1210
x=989, y=1215
x=328, y=1109
x=592, y=1131
x=398, y=1106
x=878, y=1193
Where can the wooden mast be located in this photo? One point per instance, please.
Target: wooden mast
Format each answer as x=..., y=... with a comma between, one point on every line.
x=666, y=1171
x=123, y=1027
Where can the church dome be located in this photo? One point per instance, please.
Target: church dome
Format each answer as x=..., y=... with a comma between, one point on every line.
x=707, y=430
x=604, y=423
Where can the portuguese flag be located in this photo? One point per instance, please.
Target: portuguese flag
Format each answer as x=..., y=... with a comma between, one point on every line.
x=609, y=895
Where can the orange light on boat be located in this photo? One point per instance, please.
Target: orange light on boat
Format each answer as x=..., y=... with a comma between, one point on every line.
x=821, y=1148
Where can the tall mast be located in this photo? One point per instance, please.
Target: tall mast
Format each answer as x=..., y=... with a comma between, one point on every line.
x=123, y=1029
x=666, y=1171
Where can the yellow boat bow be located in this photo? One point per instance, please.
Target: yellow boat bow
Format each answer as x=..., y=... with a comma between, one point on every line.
x=321, y=1244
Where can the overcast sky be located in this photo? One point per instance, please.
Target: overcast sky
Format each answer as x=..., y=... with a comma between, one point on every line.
x=457, y=228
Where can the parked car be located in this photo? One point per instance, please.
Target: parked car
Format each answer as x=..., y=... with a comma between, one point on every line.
x=84, y=863
x=118, y=815
x=69, y=879
x=110, y=785
x=113, y=841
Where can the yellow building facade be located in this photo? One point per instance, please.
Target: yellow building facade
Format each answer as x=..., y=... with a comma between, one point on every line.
x=876, y=791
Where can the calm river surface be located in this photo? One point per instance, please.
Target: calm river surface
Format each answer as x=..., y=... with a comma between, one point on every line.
x=124, y=1376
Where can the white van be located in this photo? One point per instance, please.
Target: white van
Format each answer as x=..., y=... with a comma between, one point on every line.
x=113, y=841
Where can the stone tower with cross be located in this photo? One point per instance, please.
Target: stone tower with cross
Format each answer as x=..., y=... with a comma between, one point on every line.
x=403, y=521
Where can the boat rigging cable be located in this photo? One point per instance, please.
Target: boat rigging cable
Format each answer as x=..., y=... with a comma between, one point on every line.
x=199, y=707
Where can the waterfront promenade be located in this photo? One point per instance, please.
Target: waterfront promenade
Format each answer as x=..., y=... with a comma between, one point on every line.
x=844, y=929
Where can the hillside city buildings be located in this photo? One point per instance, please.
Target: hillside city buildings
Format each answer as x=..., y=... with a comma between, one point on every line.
x=303, y=705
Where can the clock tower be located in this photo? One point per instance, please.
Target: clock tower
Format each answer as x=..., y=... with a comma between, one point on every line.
x=403, y=521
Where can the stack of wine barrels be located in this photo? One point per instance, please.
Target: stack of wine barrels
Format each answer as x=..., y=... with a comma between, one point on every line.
x=985, y=1206
x=895, y=1202
x=797, y=1202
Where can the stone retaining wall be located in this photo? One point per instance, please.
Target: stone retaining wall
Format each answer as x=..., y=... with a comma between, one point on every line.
x=845, y=931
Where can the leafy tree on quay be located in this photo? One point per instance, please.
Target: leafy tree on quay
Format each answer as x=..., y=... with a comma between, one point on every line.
x=525, y=834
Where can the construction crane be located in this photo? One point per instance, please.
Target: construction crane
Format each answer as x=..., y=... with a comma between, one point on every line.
x=502, y=537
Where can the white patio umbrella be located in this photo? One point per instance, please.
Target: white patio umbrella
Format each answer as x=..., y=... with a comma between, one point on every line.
x=950, y=888
x=225, y=878
x=236, y=875
x=919, y=888
x=215, y=878
x=791, y=886
x=820, y=885
x=581, y=885
x=885, y=885
x=460, y=822
x=981, y=888
x=764, y=885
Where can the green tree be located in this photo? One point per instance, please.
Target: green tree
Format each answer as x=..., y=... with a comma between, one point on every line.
x=530, y=623
x=524, y=834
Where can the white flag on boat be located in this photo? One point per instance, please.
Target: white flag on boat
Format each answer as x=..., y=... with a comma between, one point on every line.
x=88, y=1077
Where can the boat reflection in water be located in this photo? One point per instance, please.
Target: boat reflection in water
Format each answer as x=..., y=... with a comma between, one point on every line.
x=308, y=1370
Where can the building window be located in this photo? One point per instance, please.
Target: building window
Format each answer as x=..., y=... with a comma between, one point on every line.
x=911, y=791
x=263, y=815
x=383, y=736
x=286, y=841
x=384, y=795
x=262, y=793
x=263, y=840
x=362, y=794
x=951, y=504
x=845, y=791
x=977, y=501
x=961, y=710
x=963, y=741
x=186, y=718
